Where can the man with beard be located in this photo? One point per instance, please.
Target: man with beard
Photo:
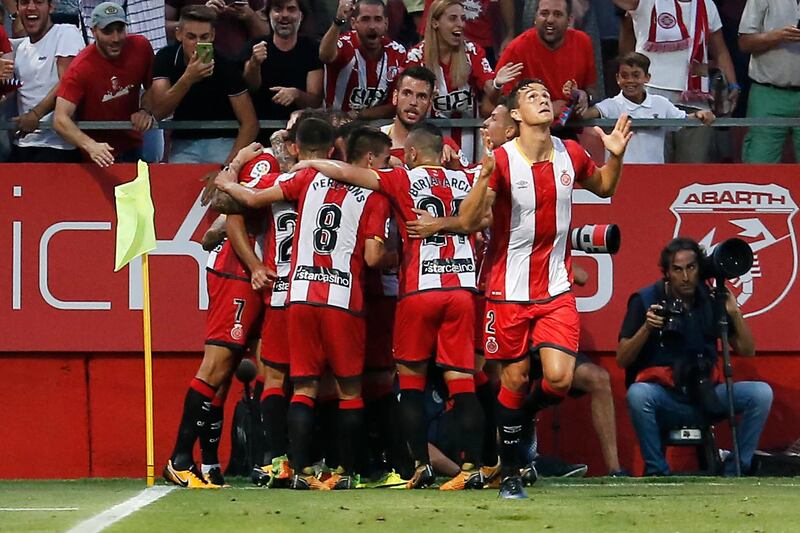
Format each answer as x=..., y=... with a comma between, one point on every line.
x=105, y=83
x=412, y=99
x=555, y=53
x=283, y=72
x=362, y=64
x=41, y=59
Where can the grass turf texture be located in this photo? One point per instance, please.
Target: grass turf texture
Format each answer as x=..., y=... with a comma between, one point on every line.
x=676, y=504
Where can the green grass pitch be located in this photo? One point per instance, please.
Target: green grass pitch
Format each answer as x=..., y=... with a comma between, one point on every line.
x=675, y=504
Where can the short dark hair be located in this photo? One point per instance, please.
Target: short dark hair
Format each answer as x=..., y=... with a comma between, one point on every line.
x=678, y=244
x=365, y=139
x=636, y=60
x=569, y=6
x=304, y=9
x=426, y=137
x=513, y=96
x=304, y=114
x=198, y=13
x=315, y=135
x=368, y=3
x=420, y=73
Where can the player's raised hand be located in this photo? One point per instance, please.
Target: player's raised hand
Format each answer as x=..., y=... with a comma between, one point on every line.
x=487, y=163
x=617, y=141
x=209, y=187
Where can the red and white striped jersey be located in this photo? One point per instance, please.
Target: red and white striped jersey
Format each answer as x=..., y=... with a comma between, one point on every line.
x=354, y=82
x=442, y=261
x=278, y=241
x=222, y=260
x=334, y=222
x=458, y=102
x=529, y=247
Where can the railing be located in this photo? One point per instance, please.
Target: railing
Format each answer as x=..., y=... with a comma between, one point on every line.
x=751, y=122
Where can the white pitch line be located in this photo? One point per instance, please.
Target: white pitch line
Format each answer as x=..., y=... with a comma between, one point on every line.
x=31, y=509
x=114, y=514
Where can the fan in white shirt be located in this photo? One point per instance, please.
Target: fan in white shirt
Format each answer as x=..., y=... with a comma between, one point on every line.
x=647, y=144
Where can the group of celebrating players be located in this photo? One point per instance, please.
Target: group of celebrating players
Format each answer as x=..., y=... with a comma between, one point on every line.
x=363, y=259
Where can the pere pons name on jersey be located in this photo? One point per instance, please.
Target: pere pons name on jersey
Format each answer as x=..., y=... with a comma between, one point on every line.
x=328, y=183
x=427, y=182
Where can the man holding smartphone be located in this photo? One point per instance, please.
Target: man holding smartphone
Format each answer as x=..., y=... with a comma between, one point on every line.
x=192, y=82
x=237, y=21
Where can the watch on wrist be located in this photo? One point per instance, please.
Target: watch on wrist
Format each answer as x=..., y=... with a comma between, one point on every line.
x=13, y=16
x=339, y=22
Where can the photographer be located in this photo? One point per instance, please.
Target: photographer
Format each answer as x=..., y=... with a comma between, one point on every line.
x=668, y=348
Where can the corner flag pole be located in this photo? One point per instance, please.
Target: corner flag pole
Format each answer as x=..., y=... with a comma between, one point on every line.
x=148, y=372
x=136, y=236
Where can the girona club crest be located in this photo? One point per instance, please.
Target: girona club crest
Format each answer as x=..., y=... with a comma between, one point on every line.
x=761, y=215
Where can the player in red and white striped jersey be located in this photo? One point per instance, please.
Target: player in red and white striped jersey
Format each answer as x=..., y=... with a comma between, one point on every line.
x=435, y=314
x=528, y=292
x=412, y=101
x=339, y=229
x=463, y=73
x=234, y=318
x=362, y=64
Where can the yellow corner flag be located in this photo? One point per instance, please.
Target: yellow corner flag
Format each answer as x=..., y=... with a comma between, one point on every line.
x=136, y=233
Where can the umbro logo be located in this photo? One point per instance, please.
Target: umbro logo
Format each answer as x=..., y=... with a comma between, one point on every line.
x=521, y=184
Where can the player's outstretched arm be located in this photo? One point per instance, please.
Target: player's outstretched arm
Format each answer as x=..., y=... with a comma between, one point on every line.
x=475, y=207
x=226, y=182
x=426, y=225
x=606, y=178
x=377, y=256
x=344, y=172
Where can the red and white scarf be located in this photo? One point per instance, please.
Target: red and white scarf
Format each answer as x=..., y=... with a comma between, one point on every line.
x=668, y=33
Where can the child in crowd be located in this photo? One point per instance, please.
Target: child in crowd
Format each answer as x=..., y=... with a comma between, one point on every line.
x=647, y=144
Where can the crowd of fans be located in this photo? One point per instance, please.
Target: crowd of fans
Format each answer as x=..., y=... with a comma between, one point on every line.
x=140, y=61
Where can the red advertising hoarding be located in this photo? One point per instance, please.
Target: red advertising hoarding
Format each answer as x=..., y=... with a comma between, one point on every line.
x=60, y=294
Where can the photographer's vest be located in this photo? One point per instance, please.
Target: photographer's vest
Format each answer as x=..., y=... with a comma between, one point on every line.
x=656, y=360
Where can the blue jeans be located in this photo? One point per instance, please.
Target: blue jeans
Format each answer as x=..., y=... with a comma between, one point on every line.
x=654, y=408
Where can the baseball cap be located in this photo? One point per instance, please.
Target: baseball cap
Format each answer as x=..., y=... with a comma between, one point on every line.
x=107, y=12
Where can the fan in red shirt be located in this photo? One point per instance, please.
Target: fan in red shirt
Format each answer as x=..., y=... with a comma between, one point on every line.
x=362, y=64
x=554, y=53
x=340, y=230
x=462, y=72
x=105, y=82
x=529, y=299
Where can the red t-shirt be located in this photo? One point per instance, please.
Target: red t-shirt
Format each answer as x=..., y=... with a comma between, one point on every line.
x=104, y=89
x=573, y=61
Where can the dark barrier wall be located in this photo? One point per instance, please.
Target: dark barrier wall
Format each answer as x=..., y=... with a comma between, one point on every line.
x=72, y=395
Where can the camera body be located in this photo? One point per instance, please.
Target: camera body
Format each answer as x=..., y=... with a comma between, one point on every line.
x=671, y=311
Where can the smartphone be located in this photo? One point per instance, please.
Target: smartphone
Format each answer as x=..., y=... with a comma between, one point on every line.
x=205, y=51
